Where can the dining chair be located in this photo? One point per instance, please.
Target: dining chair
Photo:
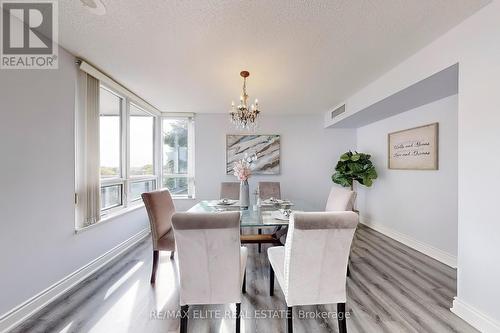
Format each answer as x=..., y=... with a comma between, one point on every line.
x=160, y=208
x=340, y=199
x=311, y=267
x=230, y=190
x=211, y=260
x=269, y=190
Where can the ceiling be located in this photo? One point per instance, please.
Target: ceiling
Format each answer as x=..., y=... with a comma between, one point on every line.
x=303, y=56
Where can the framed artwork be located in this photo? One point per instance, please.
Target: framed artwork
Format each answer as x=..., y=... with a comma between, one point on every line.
x=414, y=149
x=266, y=148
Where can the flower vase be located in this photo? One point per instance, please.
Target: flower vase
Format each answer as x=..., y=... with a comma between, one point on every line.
x=244, y=194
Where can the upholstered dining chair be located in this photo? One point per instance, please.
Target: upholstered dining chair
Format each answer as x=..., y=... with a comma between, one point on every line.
x=269, y=190
x=340, y=199
x=160, y=208
x=230, y=190
x=211, y=260
x=311, y=267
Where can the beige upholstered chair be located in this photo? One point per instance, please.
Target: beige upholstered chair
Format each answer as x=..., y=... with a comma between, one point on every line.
x=340, y=199
x=311, y=267
x=160, y=209
x=230, y=190
x=269, y=190
x=211, y=260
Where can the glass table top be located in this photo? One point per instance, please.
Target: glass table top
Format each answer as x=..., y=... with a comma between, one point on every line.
x=255, y=216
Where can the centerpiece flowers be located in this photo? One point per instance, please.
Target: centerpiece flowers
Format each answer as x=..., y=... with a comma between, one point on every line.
x=242, y=171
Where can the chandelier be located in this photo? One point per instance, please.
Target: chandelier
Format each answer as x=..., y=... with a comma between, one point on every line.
x=242, y=116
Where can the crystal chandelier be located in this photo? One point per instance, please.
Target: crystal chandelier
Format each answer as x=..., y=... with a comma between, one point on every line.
x=243, y=117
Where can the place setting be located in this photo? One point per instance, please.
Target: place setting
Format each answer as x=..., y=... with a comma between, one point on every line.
x=276, y=202
x=224, y=202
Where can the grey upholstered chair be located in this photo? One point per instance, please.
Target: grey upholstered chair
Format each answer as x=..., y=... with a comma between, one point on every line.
x=211, y=260
x=230, y=190
x=269, y=190
x=340, y=199
x=311, y=267
x=160, y=209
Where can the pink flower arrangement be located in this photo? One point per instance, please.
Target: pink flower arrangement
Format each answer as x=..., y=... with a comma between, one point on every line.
x=242, y=170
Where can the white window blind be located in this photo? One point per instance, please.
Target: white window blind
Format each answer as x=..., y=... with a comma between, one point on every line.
x=87, y=197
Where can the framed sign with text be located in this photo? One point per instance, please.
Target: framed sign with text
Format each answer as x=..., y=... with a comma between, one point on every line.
x=414, y=148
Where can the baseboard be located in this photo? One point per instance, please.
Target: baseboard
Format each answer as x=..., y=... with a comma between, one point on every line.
x=474, y=317
x=34, y=304
x=429, y=250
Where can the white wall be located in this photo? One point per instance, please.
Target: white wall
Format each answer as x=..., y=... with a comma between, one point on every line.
x=308, y=155
x=38, y=245
x=474, y=45
x=421, y=205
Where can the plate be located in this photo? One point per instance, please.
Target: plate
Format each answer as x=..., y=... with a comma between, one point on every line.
x=279, y=216
x=226, y=203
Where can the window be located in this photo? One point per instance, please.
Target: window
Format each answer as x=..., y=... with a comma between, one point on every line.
x=111, y=196
x=127, y=151
x=109, y=133
x=110, y=149
x=142, y=161
x=125, y=147
x=141, y=142
x=178, y=157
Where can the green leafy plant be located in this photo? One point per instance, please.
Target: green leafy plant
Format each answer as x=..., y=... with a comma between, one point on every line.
x=354, y=167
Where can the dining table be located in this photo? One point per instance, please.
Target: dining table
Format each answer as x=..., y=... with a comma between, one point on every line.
x=273, y=215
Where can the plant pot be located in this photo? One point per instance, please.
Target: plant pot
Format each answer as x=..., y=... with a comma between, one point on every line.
x=244, y=194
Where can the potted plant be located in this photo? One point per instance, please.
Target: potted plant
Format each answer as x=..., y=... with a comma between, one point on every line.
x=354, y=167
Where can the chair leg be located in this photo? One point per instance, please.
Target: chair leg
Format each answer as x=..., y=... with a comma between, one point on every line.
x=184, y=318
x=244, y=287
x=260, y=245
x=172, y=254
x=348, y=270
x=155, y=266
x=238, y=317
x=341, y=318
x=271, y=280
x=289, y=316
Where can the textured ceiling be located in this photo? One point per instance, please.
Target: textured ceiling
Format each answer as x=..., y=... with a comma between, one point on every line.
x=303, y=56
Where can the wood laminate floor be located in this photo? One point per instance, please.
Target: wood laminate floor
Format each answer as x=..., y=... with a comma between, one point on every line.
x=392, y=288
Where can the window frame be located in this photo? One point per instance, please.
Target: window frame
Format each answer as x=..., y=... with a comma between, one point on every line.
x=121, y=179
x=156, y=170
x=190, y=175
x=125, y=179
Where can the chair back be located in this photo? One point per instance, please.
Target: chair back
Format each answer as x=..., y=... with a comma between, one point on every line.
x=340, y=199
x=230, y=190
x=316, y=256
x=208, y=252
x=160, y=208
x=269, y=190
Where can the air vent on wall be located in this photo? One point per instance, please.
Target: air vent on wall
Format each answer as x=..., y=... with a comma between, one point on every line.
x=338, y=111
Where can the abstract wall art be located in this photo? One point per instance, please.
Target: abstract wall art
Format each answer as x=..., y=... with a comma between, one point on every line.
x=266, y=149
